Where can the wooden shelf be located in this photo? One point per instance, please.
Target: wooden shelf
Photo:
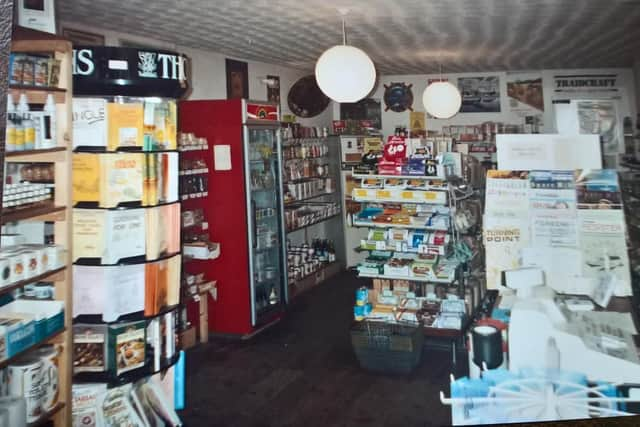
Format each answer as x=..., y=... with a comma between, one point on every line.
x=40, y=212
x=50, y=276
x=37, y=94
x=58, y=209
x=47, y=155
x=8, y=361
x=33, y=41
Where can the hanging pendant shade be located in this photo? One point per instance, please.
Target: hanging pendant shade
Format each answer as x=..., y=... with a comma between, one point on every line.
x=442, y=100
x=345, y=73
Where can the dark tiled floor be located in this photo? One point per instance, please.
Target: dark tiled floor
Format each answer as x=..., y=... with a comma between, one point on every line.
x=303, y=372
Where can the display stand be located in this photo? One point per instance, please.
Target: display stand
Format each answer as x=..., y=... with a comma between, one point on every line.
x=312, y=206
x=58, y=211
x=128, y=257
x=413, y=242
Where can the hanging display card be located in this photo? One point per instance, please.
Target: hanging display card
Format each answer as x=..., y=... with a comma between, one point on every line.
x=125, y=235
x=552, y=208
x=503, y=242
x=548, y=152
x=124, y=291
x=89, y=122
x=88, y=290
x=604, y=247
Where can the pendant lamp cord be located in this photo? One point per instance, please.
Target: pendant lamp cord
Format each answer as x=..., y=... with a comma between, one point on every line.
x=344, y=32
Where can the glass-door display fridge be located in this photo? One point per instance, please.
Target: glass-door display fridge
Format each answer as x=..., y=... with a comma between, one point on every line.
x=244, y=211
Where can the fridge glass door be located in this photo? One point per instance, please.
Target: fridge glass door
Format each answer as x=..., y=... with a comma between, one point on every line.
x=265, y=221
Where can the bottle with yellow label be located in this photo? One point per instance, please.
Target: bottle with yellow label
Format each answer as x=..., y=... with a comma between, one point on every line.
x=29, y=133
x=22, y=127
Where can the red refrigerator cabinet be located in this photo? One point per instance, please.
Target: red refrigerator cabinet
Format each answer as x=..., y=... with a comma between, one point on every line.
x=244, y=210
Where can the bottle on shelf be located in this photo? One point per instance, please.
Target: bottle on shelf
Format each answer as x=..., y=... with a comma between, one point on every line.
x=11, y=124
x=23, y=133
x=49, y=117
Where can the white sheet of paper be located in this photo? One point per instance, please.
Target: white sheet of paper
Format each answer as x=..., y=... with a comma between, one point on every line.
x=124, y=291
x=88, y=290
x=222, y=157
x=548, y=152
x=562, y=267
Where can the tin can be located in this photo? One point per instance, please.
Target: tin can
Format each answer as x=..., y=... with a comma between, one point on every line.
x=49, y=356
x=25, y=380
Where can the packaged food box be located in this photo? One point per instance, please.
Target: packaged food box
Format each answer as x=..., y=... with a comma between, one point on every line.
x=89, y=348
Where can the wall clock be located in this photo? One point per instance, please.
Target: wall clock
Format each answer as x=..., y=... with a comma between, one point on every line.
x=305, y=98
x=398, y=97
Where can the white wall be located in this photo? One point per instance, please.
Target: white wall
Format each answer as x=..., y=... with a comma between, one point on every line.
x=208, y=72
x=391, y=119
x=636, y=74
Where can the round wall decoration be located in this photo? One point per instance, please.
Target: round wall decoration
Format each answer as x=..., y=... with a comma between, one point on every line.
x=305, y=98
x=398, y=97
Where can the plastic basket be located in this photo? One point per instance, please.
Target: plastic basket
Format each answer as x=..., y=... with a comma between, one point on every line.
x=387, y=348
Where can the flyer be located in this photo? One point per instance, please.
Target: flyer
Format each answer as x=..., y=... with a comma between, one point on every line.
x=552, y=208
x=525, y=94
x=604, y=247
x=503, y=242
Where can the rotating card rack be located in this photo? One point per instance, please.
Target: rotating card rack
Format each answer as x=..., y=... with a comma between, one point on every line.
x=126, y=171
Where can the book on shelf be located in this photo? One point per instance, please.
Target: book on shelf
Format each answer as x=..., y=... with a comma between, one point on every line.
x=107, y=179
x=89, y=122
x=127, y=346
x=162, y=285
x=124, y=125
x=89, y=348
x=108, y=235
x=108, y=291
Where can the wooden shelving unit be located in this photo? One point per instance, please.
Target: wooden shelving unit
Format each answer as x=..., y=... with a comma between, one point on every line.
x=38, y=94
x=59, y=210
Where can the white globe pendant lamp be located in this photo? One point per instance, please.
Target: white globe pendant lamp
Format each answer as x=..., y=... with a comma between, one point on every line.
x=345, y=73
x=442, y=100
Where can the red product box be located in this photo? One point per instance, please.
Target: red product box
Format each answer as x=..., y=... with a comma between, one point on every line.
x=395, y=150
x=339, y=126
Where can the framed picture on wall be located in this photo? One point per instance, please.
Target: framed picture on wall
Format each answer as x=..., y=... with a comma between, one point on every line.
x=365, y=109
x=480, y=94
x=82, y=37
x=237, y=79
x=37, y=14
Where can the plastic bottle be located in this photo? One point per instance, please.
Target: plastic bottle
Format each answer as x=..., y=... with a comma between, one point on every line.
x=49, y=117
x=11, y=125
x=29, y=132
x=24, y=134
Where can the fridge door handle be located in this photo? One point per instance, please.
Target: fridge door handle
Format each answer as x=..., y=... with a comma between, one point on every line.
x=254, y=224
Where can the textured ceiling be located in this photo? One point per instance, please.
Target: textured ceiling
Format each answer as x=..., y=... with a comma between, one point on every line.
x=401, y=36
